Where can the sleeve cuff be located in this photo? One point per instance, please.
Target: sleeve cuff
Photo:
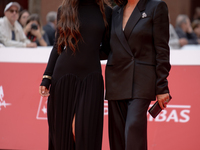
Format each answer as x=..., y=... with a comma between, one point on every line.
x=46, y=82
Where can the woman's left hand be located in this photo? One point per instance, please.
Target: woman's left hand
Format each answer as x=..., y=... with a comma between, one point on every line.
x=43, y=91
x=163, y=99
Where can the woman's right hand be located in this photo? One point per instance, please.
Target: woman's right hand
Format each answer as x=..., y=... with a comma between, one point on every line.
x=163, y=99
x=27, y=28
x=43, y=91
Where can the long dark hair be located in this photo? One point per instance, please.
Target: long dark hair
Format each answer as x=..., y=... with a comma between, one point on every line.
x=34, y=17
x=121, y=2
x=68, y=24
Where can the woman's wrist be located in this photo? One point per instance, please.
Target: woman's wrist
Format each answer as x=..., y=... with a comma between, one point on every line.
x=46, y=76
x=41, y=41
x=39, y=38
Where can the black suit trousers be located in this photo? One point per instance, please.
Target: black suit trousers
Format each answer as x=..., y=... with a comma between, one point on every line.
x=128, y=124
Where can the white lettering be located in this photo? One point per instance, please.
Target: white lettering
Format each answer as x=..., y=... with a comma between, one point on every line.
x=1, y=93
x=2, y=102
x=167, y=116
x=173, y=116
x=185, y=116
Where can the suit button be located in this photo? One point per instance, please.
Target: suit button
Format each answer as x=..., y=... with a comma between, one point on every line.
x=132, y=58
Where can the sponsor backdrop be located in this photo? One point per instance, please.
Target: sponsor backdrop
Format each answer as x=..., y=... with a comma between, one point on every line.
x=23, y=122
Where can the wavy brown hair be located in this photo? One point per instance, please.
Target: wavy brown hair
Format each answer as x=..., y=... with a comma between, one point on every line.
x=68, y=24
x=121, y=2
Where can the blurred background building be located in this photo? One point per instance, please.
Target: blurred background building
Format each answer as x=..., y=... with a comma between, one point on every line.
x=42, y=7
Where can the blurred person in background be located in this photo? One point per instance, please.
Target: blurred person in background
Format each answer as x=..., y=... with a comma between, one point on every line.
x=197, y=14
x=196, y=28
x=11, y=32
x=174, y=41
x=50, y=27
x=34, y=31
x=23, y=16
x=184, y=30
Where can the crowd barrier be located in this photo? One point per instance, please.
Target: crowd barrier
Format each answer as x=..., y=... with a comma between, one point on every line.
x=23, y=122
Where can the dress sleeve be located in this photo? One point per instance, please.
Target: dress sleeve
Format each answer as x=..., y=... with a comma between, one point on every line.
x=52, y=59
x=161, y=39
x=105, y=45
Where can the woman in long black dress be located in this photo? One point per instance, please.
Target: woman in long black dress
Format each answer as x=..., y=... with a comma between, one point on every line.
x=74, y=73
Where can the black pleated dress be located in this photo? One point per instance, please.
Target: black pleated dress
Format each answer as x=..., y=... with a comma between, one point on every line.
x=77, y=85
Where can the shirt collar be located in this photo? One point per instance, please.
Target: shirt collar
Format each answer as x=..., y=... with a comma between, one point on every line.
x=15, y=27
x=52, y=25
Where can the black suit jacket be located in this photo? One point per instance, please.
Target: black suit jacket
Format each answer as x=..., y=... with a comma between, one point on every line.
x=50, y=31
x=138, y=64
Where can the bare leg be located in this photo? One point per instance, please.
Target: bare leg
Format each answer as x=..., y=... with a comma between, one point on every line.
x=73, y=127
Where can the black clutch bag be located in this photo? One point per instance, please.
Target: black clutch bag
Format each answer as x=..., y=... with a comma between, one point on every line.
x=156, y=109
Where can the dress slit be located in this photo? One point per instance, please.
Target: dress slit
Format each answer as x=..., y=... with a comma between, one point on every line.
x=83, y=98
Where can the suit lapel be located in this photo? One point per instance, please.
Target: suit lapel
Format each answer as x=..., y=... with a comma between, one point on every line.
x=119, y=32
x=134, y=18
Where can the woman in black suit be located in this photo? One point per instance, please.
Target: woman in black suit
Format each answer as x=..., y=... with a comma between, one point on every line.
x=137, y=69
